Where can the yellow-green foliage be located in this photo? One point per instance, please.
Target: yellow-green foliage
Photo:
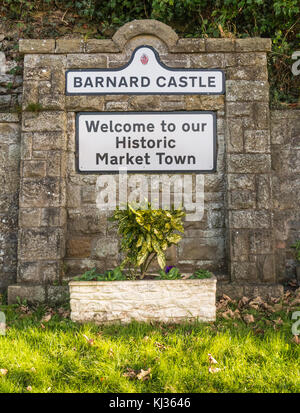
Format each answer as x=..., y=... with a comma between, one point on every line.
x=146, y=234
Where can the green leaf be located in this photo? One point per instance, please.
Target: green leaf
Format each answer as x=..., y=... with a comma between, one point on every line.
x=161, y=260
x=174, y=238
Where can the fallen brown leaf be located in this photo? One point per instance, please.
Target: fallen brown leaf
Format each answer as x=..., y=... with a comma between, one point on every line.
x=243, y=301
x=248, y=318
x=47, y=318
x=256, y=303
x=226, y=297
x=144, y=374
x=228, y=314
x=295, y=302
x=131, y=374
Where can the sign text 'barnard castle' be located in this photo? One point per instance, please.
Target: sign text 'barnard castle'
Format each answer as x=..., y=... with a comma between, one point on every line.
x=144, y=74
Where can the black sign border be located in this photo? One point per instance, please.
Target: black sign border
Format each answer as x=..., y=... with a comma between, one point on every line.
x=171, y=69
x=155, y=172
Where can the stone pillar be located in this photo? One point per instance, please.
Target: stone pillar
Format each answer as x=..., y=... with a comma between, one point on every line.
x=248, y=149
x=42, y=199
x=9, y=187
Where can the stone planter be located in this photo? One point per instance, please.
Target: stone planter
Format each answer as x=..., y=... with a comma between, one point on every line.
x=143, y=300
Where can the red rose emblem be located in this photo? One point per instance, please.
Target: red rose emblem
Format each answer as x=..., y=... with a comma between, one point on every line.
x=144, y=59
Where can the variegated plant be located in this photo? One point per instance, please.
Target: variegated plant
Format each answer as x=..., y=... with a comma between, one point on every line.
x=146, y=234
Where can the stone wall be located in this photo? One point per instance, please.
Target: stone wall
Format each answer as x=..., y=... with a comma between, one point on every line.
x=249, y=220
x=285, y=143
x=9, y=194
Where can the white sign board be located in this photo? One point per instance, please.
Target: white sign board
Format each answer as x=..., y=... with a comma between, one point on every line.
x=145, y=74
x=146, y=142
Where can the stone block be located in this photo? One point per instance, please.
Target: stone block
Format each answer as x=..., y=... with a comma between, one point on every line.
x=9, y=133
x=246, y=90
x=197, y=249
x=241, y=181
x=263, y=192
x=29, y=217
x=235, y=134
x=87, y=221
x=176, y=61
x=40, y=244
x=43, y=192
x=257, y=141
x=79, y=247
x=251, y=59
x=239, y=244
x=88, y=194
x=197, y=102
x=57, y=294
x=207, y=60
x=86, y=61
x=47, y=141
x=73, y=196
x=6, y=117
x=264, y=291
x=34, y=169
x=85, y=103
x=33, y=294
x=69, y=46
x=250, y=219
x=249, y=163
x=146, y=102
x=238, y=109
x=5, y=101
x=188, y=45
x=44, y=121
x=101, y=46
x=242, y=199
x=261, y=115
x=219, y=45
x=53, y=217
x=26, y=146
x=261, y=241
x=145, y=27
x=253, y=44
x=28, y=272
x=247, y=73
x=105, y=247
x=244, y=271
x=36, y=45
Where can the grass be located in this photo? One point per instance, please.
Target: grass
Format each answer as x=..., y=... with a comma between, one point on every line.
x=54, y=356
